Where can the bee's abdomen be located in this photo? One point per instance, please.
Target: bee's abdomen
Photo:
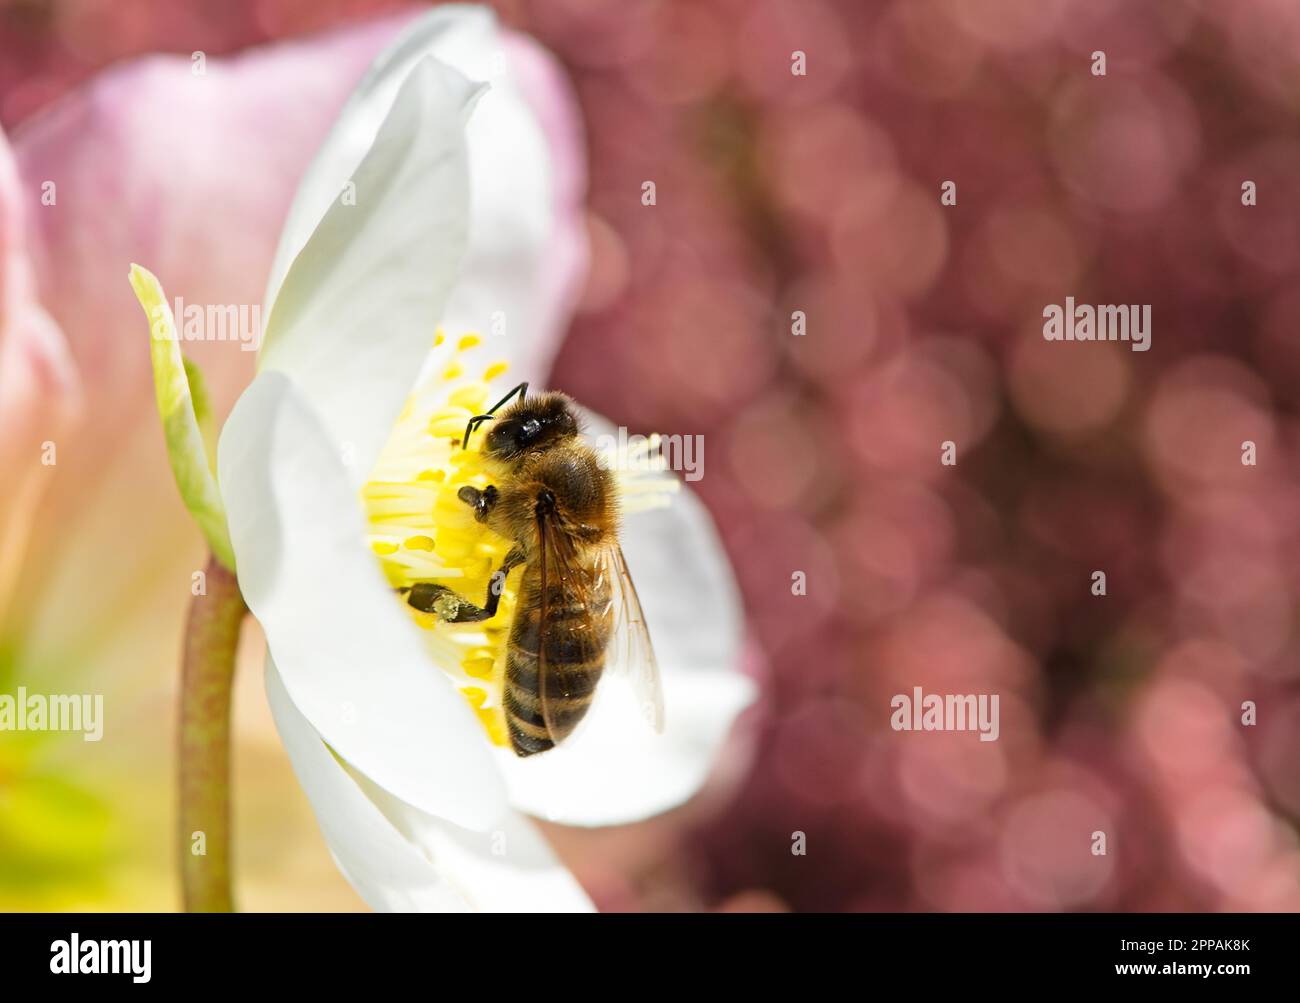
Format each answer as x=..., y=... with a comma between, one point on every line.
x=575, y=657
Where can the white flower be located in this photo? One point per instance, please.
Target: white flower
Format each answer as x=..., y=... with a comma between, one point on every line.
x=419, y=808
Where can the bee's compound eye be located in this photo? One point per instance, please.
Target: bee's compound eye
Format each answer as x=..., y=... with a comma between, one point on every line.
x=501, y=435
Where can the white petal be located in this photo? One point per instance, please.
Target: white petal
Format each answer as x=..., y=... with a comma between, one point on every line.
x=356, y=313
x=522, y=264
x=526, y=255
x=385, y=869
x=350, y=658
x=615, y=769
x=401, y=860
x=358, y=123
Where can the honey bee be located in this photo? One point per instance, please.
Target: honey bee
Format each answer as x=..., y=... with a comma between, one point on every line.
x=578, y=614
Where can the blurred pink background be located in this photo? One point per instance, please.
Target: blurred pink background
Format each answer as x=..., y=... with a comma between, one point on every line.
x=821, y=193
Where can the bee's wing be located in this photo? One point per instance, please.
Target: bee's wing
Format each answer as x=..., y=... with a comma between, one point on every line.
x=564, y=576
x=630, y=653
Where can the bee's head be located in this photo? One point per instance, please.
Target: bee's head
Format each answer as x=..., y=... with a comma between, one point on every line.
x=534, y=423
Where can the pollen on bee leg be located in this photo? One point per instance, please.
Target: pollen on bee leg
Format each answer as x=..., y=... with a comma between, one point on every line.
x=446, y=606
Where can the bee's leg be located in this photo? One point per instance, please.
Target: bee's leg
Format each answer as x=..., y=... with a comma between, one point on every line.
x=478, y=419
x=443, y=602
x=448, y=604
x=480, y=501
x=497, y=585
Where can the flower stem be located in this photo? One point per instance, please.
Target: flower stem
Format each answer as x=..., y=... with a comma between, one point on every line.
x=208, y=669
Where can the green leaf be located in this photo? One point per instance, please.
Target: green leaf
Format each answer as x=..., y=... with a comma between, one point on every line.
x=183, y=405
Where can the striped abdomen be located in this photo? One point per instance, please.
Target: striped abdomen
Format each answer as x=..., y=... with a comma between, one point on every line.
x=577, y=632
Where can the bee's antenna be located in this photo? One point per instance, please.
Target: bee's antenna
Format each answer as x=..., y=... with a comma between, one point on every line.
x=478, y=419
x=472, y=424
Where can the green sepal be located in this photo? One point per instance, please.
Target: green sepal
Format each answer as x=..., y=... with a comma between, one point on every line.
x=186, y=415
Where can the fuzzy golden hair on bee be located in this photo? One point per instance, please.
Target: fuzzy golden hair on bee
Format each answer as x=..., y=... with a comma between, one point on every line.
x=529, y=424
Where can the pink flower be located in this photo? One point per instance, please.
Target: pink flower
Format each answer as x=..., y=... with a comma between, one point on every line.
x=38, y=387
